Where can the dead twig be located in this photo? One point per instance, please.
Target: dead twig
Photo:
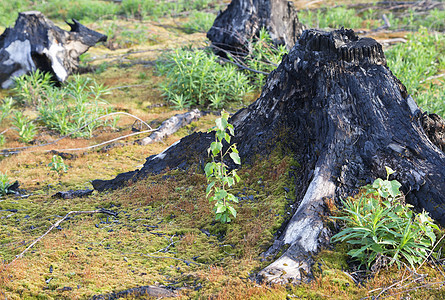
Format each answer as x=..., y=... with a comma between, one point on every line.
x=164, y=250
x=105, y=211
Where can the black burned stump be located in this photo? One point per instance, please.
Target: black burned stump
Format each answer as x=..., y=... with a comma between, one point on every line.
x=235, y=28
x=339, y=110
x=36, y=43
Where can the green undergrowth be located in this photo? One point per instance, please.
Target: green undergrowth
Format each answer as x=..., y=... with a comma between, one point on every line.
x=371, y=18
x=92, y=10
x=417, y=63
x=165, y=234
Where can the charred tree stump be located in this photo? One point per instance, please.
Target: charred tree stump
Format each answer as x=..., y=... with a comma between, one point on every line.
x=344, y=116
x=234, y=29
x=36, y=43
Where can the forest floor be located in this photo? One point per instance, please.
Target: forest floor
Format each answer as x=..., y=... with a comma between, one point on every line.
x=163, y=233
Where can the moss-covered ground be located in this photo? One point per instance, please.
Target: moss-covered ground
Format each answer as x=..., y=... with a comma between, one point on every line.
x=164, y=233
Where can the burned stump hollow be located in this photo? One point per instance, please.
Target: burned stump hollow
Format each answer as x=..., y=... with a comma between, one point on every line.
x=36, y=43
x=235, y=28
x=338, y=109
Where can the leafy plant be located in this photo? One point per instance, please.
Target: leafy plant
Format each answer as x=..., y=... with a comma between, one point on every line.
x=31, y=88
x=218, y=176
x=74, y=107
x=378, y=223
x=25, y=127
x=196, y=75
x=5, y=184
x=179, y=102
x=5, y=108
x=58, y=165
x=264, y=56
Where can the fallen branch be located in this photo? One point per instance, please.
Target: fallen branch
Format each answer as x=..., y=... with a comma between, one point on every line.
x=105, y=211
x=170, y=126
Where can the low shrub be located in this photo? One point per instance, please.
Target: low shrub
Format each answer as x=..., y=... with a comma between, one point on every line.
x=31, y=88
x=332, y=17
x=24, y=126
x=75, y=108
x=264, y=57
x=58, y=165
x=195, y=77
x=72, y=108
x=380, y=224
x=5, y=108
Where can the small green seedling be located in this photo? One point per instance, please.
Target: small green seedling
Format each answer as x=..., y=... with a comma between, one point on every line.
x=5, y=184
x=58, y=165
x=218, y=177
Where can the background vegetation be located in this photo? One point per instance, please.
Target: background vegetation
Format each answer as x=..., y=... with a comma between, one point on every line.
x=154, y=65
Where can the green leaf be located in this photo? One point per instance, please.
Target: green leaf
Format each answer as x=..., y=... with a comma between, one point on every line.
x=220, y=208
x=220, y=194
x=209, y=188
x=230, y=181
x=235, y=157
x=209, y=168
x=231, y=197
x=231, y=130
x=221, y=124
x=216, y=148
x=389, y=171
x=232, y=211
x=377, y=183
x=394, y=188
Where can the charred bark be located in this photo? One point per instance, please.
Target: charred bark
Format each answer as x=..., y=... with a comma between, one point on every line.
x=234, y=29
x=36, y=43
x=344, y=116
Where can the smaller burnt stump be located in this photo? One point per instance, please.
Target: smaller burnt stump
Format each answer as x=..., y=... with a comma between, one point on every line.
x=37, y=43
x=234, y=28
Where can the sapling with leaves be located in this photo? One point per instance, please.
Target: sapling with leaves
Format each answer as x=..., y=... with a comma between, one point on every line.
x=58, y=165
x=24, y=126
x=219, y=178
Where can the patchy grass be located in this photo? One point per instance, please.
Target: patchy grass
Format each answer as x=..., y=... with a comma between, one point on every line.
x=165, y=233
x=161, y=219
